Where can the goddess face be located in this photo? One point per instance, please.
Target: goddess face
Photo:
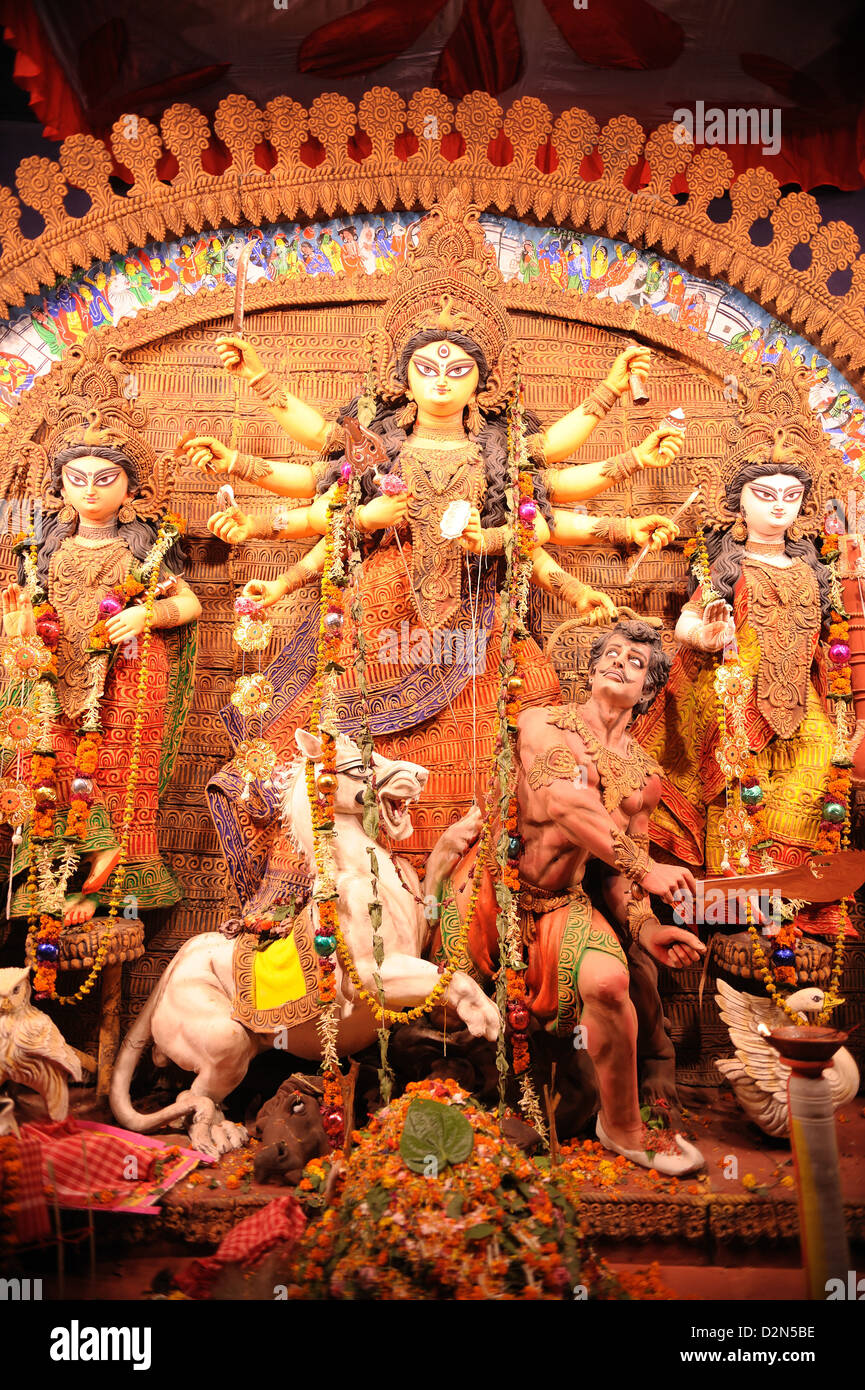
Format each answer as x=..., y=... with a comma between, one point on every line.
x=771, y=504
x=96, y=489
x=442, y=379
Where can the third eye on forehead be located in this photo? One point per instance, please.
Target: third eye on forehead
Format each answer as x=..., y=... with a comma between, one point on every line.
x=443, y=360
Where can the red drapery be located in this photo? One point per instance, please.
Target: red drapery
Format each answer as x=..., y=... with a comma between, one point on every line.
x=82, y=73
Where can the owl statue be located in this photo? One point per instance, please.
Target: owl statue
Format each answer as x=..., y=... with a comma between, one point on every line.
x=32, y=1050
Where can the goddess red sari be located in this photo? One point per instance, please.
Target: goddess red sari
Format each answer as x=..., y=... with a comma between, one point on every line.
x=423, y=623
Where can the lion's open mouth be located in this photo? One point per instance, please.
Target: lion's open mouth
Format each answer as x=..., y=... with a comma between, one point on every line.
x=396, y=814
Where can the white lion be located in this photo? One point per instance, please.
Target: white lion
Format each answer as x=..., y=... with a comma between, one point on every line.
x=188, y=1017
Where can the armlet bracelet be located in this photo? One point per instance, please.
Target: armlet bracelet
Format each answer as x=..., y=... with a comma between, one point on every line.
x=334, y=444
x=639, y=911
x=166, y=613
x=611, y=528
x=572, y=590
x=250, y=468
x=631, y=858
x=621, y=466
x=599, y=400
x=536, y=448
x=297, y=576
x=494, y=538
x=268, y=388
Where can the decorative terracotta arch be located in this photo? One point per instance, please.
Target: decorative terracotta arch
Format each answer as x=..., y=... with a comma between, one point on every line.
x=287, y=162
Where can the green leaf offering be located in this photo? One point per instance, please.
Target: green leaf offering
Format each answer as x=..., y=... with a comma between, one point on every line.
x=480, y=1231
x=434, y=1131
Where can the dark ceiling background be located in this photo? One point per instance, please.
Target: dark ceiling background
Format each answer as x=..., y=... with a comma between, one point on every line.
x=66, y=65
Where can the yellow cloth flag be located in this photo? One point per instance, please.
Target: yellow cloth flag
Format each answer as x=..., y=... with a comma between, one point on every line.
x=278, y=975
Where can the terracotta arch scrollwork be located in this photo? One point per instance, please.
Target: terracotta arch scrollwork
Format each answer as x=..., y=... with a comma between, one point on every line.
x=542, y=179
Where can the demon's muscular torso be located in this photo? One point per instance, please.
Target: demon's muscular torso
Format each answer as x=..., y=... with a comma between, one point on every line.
x=577, y=800
x=565, y=803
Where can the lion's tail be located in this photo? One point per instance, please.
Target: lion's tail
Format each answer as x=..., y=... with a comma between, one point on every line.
x=135, y=1042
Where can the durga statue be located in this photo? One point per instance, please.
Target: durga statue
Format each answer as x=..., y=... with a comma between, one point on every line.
x=431, y=425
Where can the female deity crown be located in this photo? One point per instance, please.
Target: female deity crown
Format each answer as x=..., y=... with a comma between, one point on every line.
x=94, y=408
x=774, y=423
x=451, y=281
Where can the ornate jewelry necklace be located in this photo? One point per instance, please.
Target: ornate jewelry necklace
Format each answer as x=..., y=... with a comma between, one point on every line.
x=766, y=547
x=97, y=533
x=434, y=435
x=621, y=774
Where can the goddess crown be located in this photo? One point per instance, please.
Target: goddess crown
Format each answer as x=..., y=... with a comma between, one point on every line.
x=93, y=406
x=774, y=423
x=451, y=281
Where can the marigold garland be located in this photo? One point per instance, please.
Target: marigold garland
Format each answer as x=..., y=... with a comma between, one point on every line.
x=45, y=889
x=511, y=993
x=321, y=789
x=696, y=551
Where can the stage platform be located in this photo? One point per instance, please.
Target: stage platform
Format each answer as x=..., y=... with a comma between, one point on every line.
x=710, y=1218
x=729, y=1233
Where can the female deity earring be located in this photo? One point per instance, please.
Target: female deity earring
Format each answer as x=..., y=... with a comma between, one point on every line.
x=474, y=419
x=67, y=513
x=126, y=514
x=739, y=530
x=796, y=531
x=407, y=416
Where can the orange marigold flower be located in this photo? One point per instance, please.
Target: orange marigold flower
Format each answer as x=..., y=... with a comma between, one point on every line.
x=43, y=824
x=43, y=978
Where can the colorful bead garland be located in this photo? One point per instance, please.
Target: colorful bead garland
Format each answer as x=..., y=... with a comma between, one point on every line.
x=511, y=992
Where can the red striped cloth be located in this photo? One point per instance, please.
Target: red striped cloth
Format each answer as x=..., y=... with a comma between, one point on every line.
x=32, y=1222
x=78, y=1163
x=281, y=1222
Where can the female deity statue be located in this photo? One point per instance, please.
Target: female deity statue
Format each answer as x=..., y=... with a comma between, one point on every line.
x=762, y=594
x=103, y=545
x=444, y=367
